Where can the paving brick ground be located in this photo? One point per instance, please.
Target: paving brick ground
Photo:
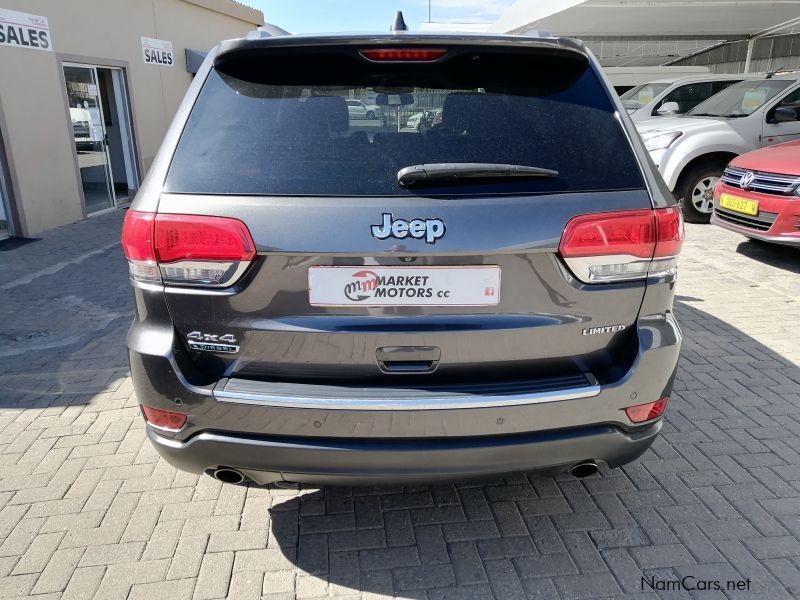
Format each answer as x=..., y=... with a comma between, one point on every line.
x=87, y=509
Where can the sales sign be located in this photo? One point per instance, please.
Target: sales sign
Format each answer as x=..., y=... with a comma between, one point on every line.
x=157, y=52
x=24, y=31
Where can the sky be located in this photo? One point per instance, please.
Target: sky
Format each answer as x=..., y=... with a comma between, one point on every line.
x=315, y=16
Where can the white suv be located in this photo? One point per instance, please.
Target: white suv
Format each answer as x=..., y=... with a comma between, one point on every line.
x=361, y=110
x=692, y=150
x=674, y=95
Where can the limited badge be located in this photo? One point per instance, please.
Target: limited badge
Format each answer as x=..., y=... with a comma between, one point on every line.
x=605, y=329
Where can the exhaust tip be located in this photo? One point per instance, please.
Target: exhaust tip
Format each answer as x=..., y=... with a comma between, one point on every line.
x=226, y=475
x=584, y=469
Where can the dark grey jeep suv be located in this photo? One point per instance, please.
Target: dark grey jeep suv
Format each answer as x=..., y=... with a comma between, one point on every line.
x=333, y=300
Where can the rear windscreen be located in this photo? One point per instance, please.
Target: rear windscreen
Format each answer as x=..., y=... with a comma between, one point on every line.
x=335, y=131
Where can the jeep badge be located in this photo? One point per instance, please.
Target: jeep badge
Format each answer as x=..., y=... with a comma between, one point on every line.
x=429, y=229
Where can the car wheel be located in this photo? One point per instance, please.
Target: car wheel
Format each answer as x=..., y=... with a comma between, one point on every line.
x=370, y=114
x=696, y=195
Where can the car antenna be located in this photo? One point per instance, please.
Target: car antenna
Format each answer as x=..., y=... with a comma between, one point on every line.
x=399, y=23
x=772, y=74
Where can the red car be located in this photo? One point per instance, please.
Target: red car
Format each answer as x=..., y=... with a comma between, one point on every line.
x=759, y=195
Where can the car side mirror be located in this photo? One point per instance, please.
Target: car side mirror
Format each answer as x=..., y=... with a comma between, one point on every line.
x=785, y=114
x=669, y=108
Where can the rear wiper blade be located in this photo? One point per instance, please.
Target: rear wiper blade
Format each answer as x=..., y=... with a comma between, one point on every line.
x=455, y=171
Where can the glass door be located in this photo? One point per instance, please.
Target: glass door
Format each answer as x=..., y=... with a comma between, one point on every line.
x=89, y=134
x=119, y=141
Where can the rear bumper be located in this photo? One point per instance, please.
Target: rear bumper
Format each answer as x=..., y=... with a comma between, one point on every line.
x=326, y=461
x=342, y=442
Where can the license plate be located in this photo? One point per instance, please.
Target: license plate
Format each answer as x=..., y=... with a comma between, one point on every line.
x=366, y=285
x=740, y=205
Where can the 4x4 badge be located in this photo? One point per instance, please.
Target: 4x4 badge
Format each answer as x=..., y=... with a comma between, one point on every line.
x=212, y=342
x=428, y=229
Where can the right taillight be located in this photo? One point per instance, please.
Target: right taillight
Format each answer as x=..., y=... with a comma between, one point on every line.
x=194, y=250
x=624, y=245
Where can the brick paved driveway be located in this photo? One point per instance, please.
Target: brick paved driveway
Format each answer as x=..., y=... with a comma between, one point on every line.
x=88, y=510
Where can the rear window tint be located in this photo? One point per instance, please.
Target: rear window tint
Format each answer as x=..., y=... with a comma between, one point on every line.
x=350, y=139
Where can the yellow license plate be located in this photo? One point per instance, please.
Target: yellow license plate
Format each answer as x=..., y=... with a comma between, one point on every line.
x=740, y=205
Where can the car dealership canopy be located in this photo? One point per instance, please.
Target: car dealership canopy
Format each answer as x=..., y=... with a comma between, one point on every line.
x=696, y=20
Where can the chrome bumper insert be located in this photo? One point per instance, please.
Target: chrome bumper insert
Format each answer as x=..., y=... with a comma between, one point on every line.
x=433, y=397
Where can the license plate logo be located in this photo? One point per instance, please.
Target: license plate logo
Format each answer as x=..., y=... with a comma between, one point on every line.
x=404, y=286
x=740, y=205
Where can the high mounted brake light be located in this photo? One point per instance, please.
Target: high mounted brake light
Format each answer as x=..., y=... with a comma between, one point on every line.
x=624, y=245
x=403, y=54
x=186, y=249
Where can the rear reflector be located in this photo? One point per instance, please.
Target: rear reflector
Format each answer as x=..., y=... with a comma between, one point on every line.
x=403, y=54
x=625, y=245
x=647, y=412
x=163, y=419
x=186, y=249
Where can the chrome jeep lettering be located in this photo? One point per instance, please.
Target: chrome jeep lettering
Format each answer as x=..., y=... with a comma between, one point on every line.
x=428, y=229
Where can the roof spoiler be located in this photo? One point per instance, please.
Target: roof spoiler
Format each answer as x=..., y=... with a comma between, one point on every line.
x=259, y=42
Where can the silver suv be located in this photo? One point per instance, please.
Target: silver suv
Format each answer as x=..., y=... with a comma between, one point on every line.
x=674, y=95
x=326, y=300
x=693, y=150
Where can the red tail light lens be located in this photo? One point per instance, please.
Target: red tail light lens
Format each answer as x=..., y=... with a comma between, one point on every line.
x=137, y=235
x=403, y=54
x=163, y=419
x=185, y=237
x=625, y=245
x=631, y=232
x=186, y=249
x=670, y=231
x=647, y=412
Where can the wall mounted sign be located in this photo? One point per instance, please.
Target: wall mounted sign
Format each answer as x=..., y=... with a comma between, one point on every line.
x=24, y=31
x=157, y=52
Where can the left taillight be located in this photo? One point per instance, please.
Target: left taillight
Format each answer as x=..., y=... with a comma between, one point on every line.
x=624, y=245
x=194, y=250
x=137, y=242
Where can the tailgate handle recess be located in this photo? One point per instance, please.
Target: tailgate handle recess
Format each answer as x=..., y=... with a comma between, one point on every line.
x=408, y=359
